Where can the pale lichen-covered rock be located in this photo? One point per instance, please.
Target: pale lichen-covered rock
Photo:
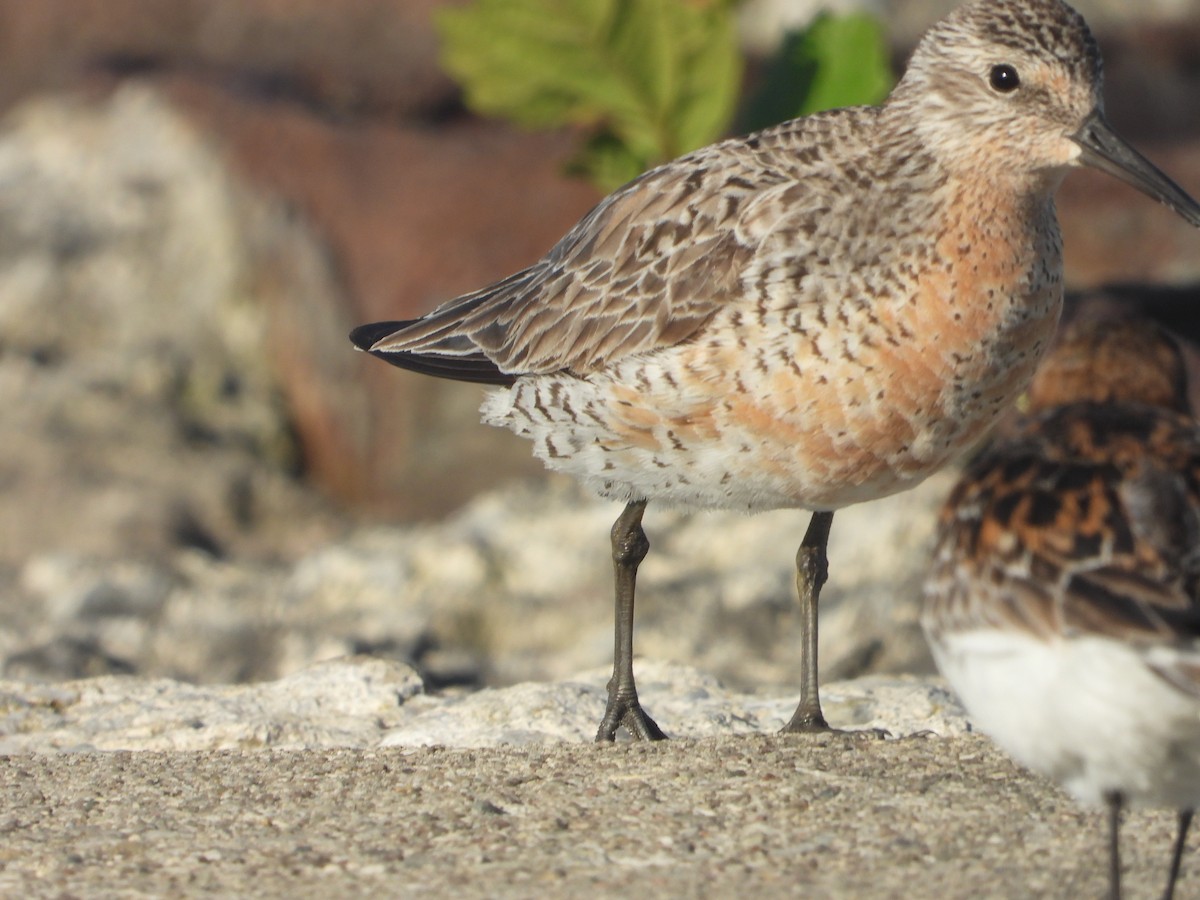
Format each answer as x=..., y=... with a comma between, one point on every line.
x=340, y=703
x=136, y=285
x=688, y=703
x=516, y=587
x=362, y=702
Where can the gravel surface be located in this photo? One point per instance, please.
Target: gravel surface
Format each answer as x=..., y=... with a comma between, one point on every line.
x=760, y=816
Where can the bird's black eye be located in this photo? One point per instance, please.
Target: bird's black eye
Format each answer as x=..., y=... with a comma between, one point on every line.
x=1004, y=78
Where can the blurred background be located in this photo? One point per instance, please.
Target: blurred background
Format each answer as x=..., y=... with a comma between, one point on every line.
x=198, y=200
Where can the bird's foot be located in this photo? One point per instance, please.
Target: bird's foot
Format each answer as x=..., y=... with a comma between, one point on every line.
x=624, y=710
x=812, y=721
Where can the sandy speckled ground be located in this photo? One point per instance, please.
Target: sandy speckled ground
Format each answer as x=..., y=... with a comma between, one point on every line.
x=748, y=816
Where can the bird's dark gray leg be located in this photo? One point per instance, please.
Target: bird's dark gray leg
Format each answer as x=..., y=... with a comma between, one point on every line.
x=812, y=570
x=1185, y=821
x=1114, y=801
x=629, y=548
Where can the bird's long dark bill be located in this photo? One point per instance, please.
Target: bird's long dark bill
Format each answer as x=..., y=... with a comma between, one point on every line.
x=1105, y=150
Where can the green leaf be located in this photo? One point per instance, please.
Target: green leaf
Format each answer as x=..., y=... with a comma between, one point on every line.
x=607, y=161
x=850, y=56
x=657, y=77
x=836, y=61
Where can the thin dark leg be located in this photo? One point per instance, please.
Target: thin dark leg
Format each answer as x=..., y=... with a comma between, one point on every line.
x=1185, y=821
x=812, y=570
x=1114, y=801
x=629, y=548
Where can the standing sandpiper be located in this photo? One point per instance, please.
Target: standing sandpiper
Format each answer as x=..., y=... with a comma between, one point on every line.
x=1064, y=600
x=811, y=316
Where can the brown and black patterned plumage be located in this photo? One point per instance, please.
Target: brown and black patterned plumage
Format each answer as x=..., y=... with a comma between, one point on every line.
x=1089, y=521
x=1064, y=598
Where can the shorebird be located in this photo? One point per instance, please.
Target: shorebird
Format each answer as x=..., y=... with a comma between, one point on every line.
x=814, y=315
x=1063, y=603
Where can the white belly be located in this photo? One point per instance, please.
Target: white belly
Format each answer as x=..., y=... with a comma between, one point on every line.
x=1086, y=712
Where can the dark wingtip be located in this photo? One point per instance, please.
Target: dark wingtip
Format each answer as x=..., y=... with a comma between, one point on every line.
x=364, y=337
x=475, y=368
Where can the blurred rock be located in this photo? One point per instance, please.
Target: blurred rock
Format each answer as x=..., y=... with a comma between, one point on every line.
x=516, y=587
x=352, y=56
x=141, y=412
x=341, y=116
x=342, y=703
x=364, y=703
x=413, y=216
x=1113, y=233
x=1152, y=78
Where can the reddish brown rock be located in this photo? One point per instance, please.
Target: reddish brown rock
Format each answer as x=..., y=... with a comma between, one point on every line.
x=1111, y=233
x=351, y=56
x=414, y=216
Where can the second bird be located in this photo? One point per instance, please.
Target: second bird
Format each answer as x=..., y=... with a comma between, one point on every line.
x=811, y=316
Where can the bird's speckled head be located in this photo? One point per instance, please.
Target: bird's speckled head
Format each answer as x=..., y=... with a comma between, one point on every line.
x=1021, y=76
x=1037, y=30
x=1126, y=360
